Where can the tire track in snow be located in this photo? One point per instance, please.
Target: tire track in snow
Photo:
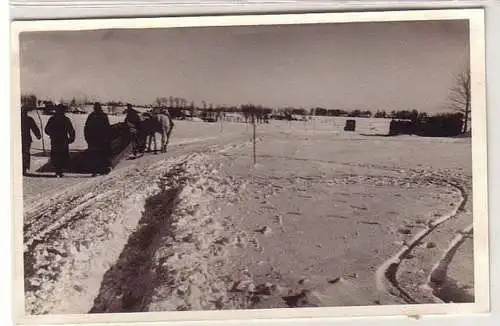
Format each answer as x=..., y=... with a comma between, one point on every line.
x=34, y=234
x=386, y=275
x=52, y=221
x=438, y=279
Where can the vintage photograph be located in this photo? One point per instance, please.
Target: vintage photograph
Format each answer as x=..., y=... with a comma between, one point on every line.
x=255, y=166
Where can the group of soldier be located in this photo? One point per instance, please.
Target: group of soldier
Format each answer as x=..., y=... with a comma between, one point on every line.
x=97, y=132
x=61, y=132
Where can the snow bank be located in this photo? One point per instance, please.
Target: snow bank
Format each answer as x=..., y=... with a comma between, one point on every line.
x=192, y=256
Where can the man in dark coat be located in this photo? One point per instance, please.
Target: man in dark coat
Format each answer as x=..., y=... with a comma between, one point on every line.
x=28, y=125
x=133, y=120
x=97, y=133
x=61, y=133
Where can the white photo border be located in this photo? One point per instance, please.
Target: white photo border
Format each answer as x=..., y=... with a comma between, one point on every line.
x=479, y=159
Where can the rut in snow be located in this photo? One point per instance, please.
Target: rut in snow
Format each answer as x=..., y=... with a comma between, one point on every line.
x=128, y=285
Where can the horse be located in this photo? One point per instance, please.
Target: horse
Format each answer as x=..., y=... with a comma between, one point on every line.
x=157, y=122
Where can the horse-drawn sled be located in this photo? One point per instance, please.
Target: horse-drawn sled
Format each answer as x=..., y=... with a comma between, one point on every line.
x=82, y=161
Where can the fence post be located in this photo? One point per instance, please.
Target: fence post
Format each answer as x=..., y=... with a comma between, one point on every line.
x=314, y=119
x=221, y=122
x=41, y=130
x=254, y=131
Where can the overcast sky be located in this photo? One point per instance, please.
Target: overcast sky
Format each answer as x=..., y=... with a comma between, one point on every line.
x=352, y=66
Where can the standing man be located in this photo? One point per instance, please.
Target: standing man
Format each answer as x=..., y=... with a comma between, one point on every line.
x=28, y=125
x=133, y=120
x=97, y=133
x=61, y=133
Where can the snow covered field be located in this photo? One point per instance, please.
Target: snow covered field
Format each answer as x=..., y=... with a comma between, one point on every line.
x=195, y=129
x=325, y=218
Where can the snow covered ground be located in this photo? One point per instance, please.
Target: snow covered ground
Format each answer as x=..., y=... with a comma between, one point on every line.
x=325, y=218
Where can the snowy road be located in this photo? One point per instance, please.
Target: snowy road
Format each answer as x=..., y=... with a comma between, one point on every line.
x=322, y=220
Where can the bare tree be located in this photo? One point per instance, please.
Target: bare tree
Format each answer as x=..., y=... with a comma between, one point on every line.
x=184, y=103
x=161, y=101
x=29, y=100
x=460, y=97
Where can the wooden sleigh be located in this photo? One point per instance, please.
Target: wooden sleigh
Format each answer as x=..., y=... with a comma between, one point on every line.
x=81, y=162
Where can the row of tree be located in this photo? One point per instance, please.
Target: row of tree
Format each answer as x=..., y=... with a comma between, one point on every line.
x=181, y=103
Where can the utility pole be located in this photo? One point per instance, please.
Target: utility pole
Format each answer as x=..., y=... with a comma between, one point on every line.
x=314, y=118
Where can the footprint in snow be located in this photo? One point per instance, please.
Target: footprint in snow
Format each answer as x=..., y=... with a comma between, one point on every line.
x=404, y=231
x=265, y=230
x=298, y=300
x=430, y=245
x=278, y=219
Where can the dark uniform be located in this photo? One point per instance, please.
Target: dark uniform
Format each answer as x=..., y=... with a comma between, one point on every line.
x=97, y=133
x=134, y=122
x=61, y=133
x=28, y=125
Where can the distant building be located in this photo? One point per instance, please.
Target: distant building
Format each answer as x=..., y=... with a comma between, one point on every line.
x=116, y=109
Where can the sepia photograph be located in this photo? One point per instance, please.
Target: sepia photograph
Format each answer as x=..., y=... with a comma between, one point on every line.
x=269, y=164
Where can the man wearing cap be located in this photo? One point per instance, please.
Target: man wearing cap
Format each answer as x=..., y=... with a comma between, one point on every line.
x=97, y=132
x=61, y=133
x=133, y=120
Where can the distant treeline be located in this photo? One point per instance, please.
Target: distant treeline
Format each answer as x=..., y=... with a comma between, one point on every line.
x=403, y=121
x=180, y=103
